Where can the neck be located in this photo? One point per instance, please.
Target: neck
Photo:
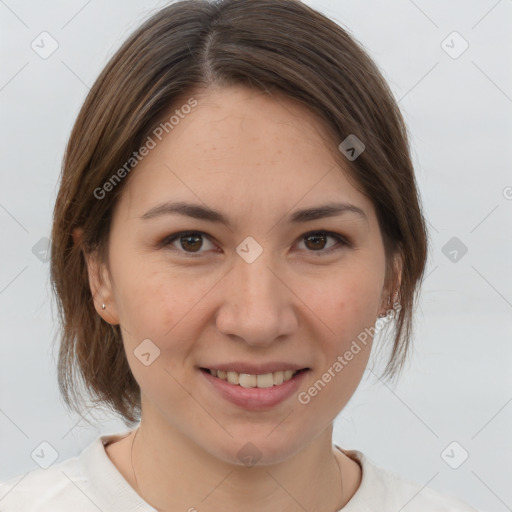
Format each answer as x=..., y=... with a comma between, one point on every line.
x=172, y=473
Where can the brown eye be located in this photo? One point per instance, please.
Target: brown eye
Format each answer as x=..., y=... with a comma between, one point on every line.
x=191, y=242
x=188, y=242
x=317, y=242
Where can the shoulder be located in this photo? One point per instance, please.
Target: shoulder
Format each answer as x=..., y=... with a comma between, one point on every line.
x=41, y=490
x=382, y=490
x=86, y=483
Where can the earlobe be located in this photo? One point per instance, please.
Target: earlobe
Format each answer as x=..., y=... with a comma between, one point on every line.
x=100, y=284
x=101, y=289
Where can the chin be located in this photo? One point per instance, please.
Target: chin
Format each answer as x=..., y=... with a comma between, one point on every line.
x=255, y=448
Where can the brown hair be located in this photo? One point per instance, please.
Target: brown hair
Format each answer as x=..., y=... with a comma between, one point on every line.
x=272, y=45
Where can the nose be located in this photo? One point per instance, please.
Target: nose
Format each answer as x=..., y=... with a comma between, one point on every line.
x=258, y=305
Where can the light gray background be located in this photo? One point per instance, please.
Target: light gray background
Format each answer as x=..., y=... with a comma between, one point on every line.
x=459, y=113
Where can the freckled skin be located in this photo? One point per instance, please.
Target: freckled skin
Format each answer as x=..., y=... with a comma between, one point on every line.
x=256, y=160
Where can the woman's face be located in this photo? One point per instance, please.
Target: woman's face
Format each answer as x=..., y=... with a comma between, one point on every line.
x=256, y=291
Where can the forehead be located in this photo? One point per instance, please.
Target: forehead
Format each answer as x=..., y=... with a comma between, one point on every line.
x=239, y=147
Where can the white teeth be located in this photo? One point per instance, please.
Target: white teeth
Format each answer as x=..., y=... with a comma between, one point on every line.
x=288, y=374
x=278, y=378
x=246, y=380
x=265, y=381
x=231, y=376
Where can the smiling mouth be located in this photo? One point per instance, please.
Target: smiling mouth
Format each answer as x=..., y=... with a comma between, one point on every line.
x=246, y=380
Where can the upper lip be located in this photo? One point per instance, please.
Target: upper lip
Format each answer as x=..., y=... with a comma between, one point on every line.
x=254, y=369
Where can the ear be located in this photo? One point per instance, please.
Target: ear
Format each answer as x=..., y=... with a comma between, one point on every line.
x=100, y=282
x=392, y=283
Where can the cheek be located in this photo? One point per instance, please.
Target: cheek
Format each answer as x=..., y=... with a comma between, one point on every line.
x=161, y=305
x=347, y=304
x=348, y=299
x=157, y=308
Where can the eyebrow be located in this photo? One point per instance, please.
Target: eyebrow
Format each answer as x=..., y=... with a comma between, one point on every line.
x=197, y=211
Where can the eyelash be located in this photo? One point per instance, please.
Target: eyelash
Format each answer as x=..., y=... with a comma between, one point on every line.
x=342, y=241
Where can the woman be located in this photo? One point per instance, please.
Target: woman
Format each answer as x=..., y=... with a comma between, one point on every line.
x=237, y=214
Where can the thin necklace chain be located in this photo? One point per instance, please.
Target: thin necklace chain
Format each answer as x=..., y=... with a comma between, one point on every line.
x=137, y=485
x=131, y=458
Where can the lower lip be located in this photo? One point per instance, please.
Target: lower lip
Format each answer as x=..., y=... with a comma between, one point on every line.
x=255, y=399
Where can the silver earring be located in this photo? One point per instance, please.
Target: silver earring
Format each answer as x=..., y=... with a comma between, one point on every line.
x=103, y=306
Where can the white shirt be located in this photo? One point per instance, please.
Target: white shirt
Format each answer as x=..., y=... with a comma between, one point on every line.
x=90, y=482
